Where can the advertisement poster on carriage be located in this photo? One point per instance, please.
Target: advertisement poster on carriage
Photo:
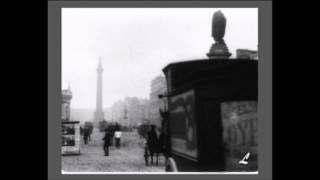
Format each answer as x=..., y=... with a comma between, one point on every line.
x=183, y=140
x=239, y=119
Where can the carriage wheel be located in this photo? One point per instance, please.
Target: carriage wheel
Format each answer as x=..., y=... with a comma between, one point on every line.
x=171, y=165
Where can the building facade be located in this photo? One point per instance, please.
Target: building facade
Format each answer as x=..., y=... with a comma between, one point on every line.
x=128, y=112
x=246, y=54
x=158, y=86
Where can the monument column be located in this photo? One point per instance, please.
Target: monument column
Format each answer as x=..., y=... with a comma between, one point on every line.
x=99, y=114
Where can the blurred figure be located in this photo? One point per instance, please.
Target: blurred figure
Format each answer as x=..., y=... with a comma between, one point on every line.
x=89, y=126
x=86, y=134
x=107, y=141
x=117, y=135
x=81, y=130
x=90, y=132
x=146, y=152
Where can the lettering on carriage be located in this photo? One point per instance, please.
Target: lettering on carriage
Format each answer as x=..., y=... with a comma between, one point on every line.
x=242, y=133
x=240, y=127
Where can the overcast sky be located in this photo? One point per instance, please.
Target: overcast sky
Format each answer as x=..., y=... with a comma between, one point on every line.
x=136, y=43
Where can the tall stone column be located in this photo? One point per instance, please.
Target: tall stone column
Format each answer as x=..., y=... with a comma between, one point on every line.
x=99, y=114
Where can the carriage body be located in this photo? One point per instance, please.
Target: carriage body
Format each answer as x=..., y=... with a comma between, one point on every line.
x=212, y=114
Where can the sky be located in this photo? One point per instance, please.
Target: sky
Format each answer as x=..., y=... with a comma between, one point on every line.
x=135, y=44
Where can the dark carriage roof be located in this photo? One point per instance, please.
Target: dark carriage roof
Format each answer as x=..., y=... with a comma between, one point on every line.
x=188, y=74
x=206, y=62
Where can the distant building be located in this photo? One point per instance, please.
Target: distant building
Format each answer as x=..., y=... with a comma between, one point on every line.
x=117, y=112
x=158, y=86
x=128, y=112
x=82, y=114
x=108, y=114
x=136, y=110
x=66, y=101
x=246, y=54
x=144, y=110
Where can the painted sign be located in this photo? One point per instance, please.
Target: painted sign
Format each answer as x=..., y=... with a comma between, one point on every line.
x=70, y=138
x=239, y=119
x=183, y=125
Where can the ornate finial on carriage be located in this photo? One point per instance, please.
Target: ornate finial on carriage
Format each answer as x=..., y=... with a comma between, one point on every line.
x=219, y=49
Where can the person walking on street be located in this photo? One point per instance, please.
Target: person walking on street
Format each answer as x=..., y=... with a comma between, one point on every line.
x=86, y=135
x=117, y=135
x=107, y=140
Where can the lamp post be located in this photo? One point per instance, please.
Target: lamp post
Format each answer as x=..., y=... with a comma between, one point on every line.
x=165, y=126
x=165, y=105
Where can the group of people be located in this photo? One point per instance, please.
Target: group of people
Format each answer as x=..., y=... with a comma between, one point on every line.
x=154, y=140
x=110, y=133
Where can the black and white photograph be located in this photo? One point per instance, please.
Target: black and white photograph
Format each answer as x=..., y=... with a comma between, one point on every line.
x=159, y=90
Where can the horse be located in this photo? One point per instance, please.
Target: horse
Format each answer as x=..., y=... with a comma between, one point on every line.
x=154, y=146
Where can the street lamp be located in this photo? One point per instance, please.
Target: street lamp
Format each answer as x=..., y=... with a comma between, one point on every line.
x=164, y=95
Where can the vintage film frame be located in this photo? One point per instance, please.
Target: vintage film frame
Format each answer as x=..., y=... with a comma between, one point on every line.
x=264, y=86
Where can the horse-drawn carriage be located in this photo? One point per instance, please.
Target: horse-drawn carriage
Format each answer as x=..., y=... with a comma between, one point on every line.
x=211, y=120
x=153, y=141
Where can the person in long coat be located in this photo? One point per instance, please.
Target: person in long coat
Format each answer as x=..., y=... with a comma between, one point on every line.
x=86, y=135
x=107, y=140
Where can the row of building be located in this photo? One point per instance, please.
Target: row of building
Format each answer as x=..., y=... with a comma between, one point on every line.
x=132, y=111
x=246, y=54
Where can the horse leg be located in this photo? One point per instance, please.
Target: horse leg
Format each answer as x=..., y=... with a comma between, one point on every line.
x=157, y=156
x=151, y=158
x=146, y=158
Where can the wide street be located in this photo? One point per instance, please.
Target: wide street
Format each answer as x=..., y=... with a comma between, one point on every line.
x=129, y=158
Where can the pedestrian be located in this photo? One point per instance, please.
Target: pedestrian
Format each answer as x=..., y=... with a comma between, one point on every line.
x=81, y=131
x=107, y=139
x=90, y=132
x=86, y=135
x=118, y=137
